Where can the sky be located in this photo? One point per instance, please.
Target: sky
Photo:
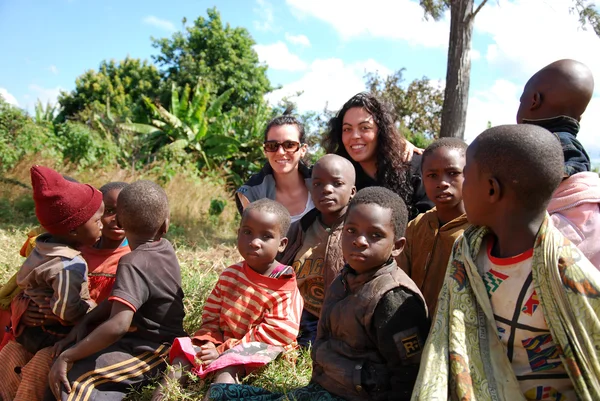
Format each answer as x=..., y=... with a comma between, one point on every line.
x=322, y=48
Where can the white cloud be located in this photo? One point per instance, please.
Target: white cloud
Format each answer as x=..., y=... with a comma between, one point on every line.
x=529, y=34
x=278, y=57
x=266, y=21
x=53, y=69
x=10, y=99
x=328, y=82
x=44, y=95
x=300, y=40
x=398, y=19
x=163, y=24
x=475, y=55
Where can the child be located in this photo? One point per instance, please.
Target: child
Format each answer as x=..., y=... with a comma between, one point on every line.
x=518, y=314
x=315, y=248
x=374, y=320
x=70, y=213
x=143, y=315
x=555, y=98
x=254, y=310
x=430, y=236
x=102, y=259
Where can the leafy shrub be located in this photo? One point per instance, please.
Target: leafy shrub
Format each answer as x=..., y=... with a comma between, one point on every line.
x=85, y=147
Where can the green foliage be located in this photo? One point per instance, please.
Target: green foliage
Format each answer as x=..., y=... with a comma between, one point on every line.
x=417, y=107
x=85, y=147
x=220, y=55
x=45, y=115
x=588, y=14
x=21, y=136
x=121, y=84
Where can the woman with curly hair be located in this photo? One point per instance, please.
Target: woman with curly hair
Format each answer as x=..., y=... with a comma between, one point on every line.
x=363, y=131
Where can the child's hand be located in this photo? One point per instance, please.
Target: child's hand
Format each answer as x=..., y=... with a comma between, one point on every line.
x=76, y=334
x=208, y=353
x=58, y=376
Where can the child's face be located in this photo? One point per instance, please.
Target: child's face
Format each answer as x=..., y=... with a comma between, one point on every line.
x=259, y=239
x=331, y=190
x=368, y=239
x=89, y=233
x=110, y=228
x=443, y=177
x=475, y=192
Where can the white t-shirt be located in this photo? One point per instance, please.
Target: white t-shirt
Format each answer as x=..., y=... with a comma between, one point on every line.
x=522, y=327
x=309, y=206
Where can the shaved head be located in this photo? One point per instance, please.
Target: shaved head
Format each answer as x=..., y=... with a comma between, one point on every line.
x=563, y=88
x=333, y=162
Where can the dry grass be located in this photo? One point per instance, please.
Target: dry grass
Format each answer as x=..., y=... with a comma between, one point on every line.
x=205, y=245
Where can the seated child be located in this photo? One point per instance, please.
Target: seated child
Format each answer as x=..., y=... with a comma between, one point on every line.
x=374, y=320
x=517, y=317
x=555, y=98
x=142, y=316
x=430, y=236
x=102, y=259
x=315, y=248
x=254, y=310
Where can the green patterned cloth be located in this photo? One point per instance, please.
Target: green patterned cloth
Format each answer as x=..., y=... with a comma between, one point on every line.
x=464, y=359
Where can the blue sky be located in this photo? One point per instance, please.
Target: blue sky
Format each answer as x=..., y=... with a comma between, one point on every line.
x=323, y=48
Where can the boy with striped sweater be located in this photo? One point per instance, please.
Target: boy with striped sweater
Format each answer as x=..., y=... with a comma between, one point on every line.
x=253, y=312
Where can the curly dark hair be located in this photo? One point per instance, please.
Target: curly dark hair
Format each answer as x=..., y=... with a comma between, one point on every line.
x=392, y=172
x=286, y=119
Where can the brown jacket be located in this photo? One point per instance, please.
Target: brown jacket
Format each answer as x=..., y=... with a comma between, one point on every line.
x=428, y=248
x=366, y=352
x=57, y=272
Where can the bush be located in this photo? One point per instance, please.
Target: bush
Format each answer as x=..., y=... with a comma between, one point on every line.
x=85, y=147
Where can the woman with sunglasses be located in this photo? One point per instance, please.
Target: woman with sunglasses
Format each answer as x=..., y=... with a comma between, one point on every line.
x=363, y=131
x=285, y=177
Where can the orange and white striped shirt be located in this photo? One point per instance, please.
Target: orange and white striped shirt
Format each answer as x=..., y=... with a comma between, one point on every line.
x=246, y=306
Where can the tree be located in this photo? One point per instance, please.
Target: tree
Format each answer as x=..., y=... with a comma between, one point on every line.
x=221, y=56
x=417, y=107
x=458, y=69
x=119, y=84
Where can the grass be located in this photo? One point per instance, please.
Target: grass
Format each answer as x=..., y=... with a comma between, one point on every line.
x=204, y=243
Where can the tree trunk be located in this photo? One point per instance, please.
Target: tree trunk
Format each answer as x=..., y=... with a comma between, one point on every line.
x=456, y=94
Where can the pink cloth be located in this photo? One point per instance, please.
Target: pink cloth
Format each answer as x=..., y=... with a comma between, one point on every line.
x=251, y=355
x=575, y=211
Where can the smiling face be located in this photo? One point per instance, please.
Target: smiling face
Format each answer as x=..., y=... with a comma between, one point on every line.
x=332, y=188
x=259, y=239
x=359, y=135
x=110, y=228
x=368, y=237
x=281, y=161
x=443, y=178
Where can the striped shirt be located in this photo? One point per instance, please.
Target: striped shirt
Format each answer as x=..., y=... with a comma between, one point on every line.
x=246, y=306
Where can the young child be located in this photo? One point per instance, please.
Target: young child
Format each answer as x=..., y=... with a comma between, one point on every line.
x=315, y=248
x=430, y=236
x=102, y=259
x=143, y=315
x=254, y=310
x=374, y=320
x=555, y=98
x=517, y=317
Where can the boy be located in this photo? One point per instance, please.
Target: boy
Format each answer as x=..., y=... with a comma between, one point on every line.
x=314, y=249
x=518, y=314
x=253, y=312
x=373, y=321
x=55, y=271
x=430, y=236
x=555, y=98
x=142, y=316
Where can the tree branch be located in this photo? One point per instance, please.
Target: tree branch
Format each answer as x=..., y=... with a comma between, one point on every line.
x=479, y=7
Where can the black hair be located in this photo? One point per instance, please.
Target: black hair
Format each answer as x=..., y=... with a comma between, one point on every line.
x=286, y=120
x=392, y=171
x=527, y=158
x=143, y=207
x=452, y=143
x=271, y=206
x=386, y=199
x=111, y=186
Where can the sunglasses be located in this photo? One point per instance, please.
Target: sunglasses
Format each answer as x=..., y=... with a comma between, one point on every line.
x=288, y=146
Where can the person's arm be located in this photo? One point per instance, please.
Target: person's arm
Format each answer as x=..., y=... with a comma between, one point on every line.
x=103, y=336
x=66, y=302
x=210, y=330
x=401, y=326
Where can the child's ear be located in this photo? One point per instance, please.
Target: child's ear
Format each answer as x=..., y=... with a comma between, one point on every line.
x=352, y=192
x=494, y=190
x=282, y=244
x=163, y=229
x=398, y=247
x=536, y=102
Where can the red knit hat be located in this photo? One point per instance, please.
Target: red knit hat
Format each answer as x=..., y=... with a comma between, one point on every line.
x=60, y=205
